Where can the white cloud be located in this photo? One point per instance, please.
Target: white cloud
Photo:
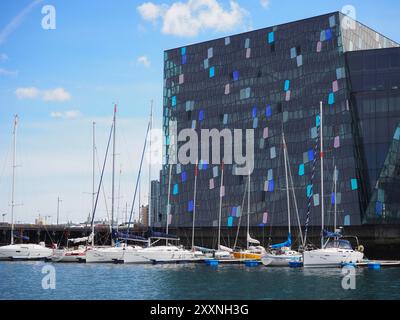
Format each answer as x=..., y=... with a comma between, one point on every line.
x=150, y=11
x=70, y=114
x=17, y=20
x=27, y=93
x=265, y=3
x=3, y=57
x=5, y=72
x=57, y=94
x=144, y=61
x=188, y=19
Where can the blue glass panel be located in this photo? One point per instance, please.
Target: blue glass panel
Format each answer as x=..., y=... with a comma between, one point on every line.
x=311, y=155
x=254, y=112
x=235, y=75
x=331, y=98
x=397, y=134
x=230, y=221
x=309, y=190
x=317, y=120
x=287, y=85
x=176, y=189
x=328, y=34
x=271, y=37
x=190, y=206
x=183, y=176
x=174, y=101
x=347, y=220
x=201, y=115
x=354, y=184
x=212, y=72
x=184, y=59
x=271, y=185
x=268, y=111
x=301, y=169
x=183, y=51
x=378, y=208
x=333, y=198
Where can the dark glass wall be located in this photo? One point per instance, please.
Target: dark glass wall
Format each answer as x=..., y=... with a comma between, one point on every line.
x=270, y=80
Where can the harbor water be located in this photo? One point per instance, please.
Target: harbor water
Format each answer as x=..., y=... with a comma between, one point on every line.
x=24, y=280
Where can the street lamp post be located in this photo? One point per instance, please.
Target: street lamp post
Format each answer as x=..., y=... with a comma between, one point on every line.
x=4, y=214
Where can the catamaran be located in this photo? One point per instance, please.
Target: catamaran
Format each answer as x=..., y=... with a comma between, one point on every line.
x=23, y=251
x=282, y=254
x=334, y=251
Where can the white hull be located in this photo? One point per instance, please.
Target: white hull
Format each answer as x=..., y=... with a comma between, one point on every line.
x=107, y=254
x=165, y=254
x=24, y=252
x=282, y=260
x=330, y=257
x=66, y=255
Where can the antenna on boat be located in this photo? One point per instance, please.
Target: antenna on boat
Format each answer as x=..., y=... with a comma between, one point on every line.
x=113, y=176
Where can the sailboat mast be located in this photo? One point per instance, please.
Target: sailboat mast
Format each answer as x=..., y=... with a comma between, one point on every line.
x=93, y=176
x=194, y=203
x=113, y=175
x=287, y=180
x=168, y=201
x=151, y=127
x=220, y=205
x=13, y=176
x=322, y=175
x=248, y=214
x=335, y=210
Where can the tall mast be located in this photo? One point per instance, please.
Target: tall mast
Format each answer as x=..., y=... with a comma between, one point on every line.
x=168, y=201
x=248, y=214
x=13, y=176
x=335, y=210
x=194, y=203
x=113, y=176
x=151, y=127
x=220, y=205
x=322, y=175
x=287, y=180
x=93, y=175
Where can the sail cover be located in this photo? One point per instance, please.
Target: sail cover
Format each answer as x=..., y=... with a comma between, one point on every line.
x=126, y=236
x=251, y=240
x=223, y=248
x=328, y=234
x=83, y=239
x=287, y=243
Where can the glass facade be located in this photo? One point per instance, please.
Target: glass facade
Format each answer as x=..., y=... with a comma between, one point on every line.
x=270, y=80
x=375, y=93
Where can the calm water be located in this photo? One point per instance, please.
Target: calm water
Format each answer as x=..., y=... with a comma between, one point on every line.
x=23, y=280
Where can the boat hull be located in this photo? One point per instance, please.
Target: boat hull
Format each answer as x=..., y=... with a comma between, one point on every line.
x=68, y=255
x=167, y=254
x=247, y=255
x=283, y=260
x=106, y=255
x=24, y=252
x=330, y=257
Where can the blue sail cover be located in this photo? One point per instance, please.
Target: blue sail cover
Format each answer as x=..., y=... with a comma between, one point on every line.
x=19, y=236
x=126, y=236
x=154, y=234
x=328, y=234
x=287, y=243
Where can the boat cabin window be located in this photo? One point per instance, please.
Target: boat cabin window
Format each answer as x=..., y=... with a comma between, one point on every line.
x=341, y=244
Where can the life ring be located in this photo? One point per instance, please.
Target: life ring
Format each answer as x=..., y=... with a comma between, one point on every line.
x=360, y=248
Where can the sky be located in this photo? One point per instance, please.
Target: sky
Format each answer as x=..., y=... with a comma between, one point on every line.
x=61, y=72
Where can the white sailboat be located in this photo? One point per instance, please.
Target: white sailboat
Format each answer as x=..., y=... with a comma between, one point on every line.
x=333, y=253
x=282, y=254
x=109, y=253
x=254, y=250
x=21, y=251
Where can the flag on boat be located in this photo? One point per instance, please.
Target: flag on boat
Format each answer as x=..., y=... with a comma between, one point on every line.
x=251, y=240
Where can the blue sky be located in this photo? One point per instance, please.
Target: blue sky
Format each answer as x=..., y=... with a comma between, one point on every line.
x=60, y=81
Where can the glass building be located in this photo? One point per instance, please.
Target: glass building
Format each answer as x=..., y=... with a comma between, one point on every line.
x=272, y=80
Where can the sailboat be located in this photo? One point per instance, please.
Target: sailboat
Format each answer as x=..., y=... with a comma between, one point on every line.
x=23, y=251
x=116, y=250
x=78, y=254
x=282, y=254
x=251, y=252
x=334, y=251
